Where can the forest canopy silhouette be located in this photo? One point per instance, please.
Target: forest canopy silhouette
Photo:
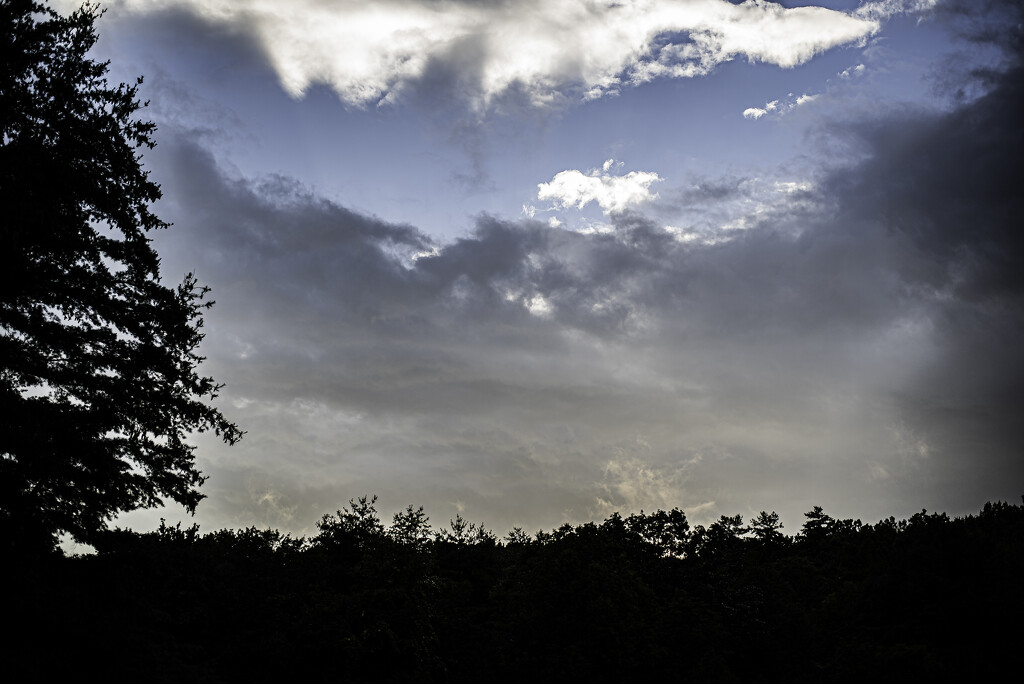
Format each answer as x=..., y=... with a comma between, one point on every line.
x=626, y=599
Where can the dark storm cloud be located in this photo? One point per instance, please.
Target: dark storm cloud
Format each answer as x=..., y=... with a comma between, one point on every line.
x=945, y=189
x=948, y=187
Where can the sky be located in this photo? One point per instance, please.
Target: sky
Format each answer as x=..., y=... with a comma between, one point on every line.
x=534, y=262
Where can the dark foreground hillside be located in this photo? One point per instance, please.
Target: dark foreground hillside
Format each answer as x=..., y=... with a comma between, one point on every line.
x=630, y=599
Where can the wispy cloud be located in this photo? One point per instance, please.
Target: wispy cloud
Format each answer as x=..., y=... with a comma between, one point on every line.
x=779, y=106
x=884, y=9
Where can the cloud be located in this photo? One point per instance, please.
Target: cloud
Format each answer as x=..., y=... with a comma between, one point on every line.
x=373, y=52
x=852, y=72
x=780, y=106
x=631, y=484
x=574, y=188
x=758, y=112
x=815, y=356
x=857, y=343
x=879, y=10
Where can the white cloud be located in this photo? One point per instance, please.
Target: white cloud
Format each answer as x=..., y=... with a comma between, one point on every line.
x=779, y=106
x=790, y=187
x=574, y=188
x=758, y=112
x=369, y=51
x=853, y=71
x=690, y=236
x=883, y=9
x=538, y=306
x=594, y=228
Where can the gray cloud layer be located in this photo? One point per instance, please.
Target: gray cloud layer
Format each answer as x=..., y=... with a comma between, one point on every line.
x=859, y=348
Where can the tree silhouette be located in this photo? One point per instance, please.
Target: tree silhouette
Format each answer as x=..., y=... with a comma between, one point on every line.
x=818, y=525
x=98, y=359
x=766, y=528
x=355, y=528
x=668, y=531
x=410, y=527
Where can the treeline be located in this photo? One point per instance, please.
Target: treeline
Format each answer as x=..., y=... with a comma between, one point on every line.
x=930, y=598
